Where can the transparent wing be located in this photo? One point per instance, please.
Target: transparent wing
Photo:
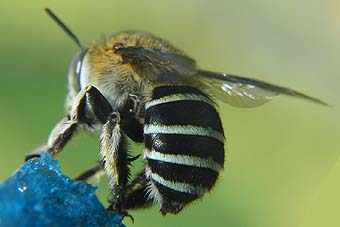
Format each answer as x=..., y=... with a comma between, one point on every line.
x=237, y=94
x=157, y=65
x=244, y=92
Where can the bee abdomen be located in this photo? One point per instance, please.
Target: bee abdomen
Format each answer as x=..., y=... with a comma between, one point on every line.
x=184, y=145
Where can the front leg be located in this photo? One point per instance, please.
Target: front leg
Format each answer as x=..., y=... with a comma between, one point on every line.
x=90, y=106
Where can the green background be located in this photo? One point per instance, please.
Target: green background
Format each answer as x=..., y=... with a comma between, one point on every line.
x=283, y=165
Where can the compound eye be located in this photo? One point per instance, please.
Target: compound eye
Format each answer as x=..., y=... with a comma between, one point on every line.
x=78, y=62
x=75, y=70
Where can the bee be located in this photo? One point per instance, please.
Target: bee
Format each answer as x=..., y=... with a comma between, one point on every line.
x=139, y=86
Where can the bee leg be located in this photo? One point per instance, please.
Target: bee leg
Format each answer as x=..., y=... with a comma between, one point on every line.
x=88, y=105
x=136, y=193
x=99, y=169
x=57, y=139
x=130, y=125
x=134, y=196
x=113, y=148
x=133, y=129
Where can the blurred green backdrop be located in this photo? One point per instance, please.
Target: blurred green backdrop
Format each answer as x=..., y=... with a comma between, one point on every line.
x=283, y=165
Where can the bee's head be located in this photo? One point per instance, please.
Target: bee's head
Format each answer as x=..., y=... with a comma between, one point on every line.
x=102, y=66
x=98, y=66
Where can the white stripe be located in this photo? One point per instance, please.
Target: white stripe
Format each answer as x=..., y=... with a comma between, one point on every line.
x=183, y=160
x=179, y=97
x=184, y=130
x=177, y=186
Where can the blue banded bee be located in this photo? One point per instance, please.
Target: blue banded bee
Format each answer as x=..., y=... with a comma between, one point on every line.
x=138, y=86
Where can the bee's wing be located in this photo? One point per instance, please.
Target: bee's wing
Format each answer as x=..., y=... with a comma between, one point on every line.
x=157, y=65
x=244, y=92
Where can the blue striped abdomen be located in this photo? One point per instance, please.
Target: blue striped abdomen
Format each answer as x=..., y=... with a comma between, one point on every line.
x=184, y=145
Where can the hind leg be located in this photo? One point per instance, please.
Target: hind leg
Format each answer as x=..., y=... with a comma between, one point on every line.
x=136, y=195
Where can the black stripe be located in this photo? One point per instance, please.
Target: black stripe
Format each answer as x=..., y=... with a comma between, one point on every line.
x=192, y=175
x=162, y=91
x=199, y=146
x=184, y=112
x=169, y=194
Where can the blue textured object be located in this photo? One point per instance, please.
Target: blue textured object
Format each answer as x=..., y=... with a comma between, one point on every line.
x=39, y=195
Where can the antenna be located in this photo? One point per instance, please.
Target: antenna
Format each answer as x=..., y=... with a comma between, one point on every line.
x=64, y=27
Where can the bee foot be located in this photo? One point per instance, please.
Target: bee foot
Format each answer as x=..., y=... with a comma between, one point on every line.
x=31, y=156
x=122, y=213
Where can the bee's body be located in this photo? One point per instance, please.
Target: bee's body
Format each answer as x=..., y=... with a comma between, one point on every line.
x=183, y=134
x=136, y=85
